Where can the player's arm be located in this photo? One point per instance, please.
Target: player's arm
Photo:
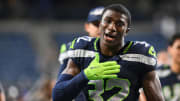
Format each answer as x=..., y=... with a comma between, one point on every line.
x=152, y=87
x=72, y=80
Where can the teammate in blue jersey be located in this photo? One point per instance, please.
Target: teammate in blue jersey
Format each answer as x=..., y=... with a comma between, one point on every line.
x=91, y=27
x=170, y=75
x=108, y=68
x=92, y=23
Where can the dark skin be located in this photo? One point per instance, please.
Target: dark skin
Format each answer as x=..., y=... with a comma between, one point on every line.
x=152, y=87
x=113, y=28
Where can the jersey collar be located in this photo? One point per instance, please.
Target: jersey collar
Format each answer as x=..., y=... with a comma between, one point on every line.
x=124, y=50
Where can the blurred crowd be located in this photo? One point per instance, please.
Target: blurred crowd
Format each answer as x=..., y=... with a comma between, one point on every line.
x=68, y=9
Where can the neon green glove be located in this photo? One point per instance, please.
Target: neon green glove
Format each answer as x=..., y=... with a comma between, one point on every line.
x=98, y=71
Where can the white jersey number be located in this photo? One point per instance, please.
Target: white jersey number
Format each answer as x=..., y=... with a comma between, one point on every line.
x=85, y=38
x=109, y=90
x=172, y=94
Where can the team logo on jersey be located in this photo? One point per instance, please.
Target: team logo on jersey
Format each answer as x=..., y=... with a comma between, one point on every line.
x=152, y=51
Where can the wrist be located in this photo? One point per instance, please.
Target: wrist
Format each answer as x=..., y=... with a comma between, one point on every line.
x=85, y=76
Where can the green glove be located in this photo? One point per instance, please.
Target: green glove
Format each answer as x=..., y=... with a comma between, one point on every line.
x=105, y=70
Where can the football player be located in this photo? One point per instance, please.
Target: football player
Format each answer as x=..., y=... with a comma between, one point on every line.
x=170, y=74
x=109, y=68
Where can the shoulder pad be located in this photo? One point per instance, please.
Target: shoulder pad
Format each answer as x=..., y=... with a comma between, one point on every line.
x=82, y=42
x=64, y=47
x=144, y=48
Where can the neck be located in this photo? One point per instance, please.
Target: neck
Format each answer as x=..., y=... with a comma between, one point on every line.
x=175, y=67
x=110, y=50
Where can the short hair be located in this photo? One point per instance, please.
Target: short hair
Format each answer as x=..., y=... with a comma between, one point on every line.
x=174, y=38
x=119, y=8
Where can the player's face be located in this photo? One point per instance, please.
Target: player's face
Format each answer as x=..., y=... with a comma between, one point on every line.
x=175, y=51
x=113, y=28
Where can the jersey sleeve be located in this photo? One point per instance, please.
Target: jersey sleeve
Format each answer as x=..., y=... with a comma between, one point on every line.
x=68, y=87
x=148, y=56
x=75, y=50
x=63, y=52
x=79, y=49
x=63, y=59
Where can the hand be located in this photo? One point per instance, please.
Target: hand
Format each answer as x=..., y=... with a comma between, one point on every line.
x=105, y=70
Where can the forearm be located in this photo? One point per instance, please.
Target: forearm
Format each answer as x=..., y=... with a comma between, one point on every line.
x=155, y=96
x=68, y=87
x=152, y=88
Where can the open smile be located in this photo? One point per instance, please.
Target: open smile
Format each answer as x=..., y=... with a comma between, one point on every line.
x=109, y=37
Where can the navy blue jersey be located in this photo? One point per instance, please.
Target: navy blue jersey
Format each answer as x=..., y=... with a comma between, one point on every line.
x=136, y=59
x=63, y=53
x=63, y=49
x=170, y=83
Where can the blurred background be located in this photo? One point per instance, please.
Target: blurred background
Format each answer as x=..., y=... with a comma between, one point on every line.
x=31, y=32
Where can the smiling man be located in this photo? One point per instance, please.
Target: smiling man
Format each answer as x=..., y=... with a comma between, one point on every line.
x=109, y=68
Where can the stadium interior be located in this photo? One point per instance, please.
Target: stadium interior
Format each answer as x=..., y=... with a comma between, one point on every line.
x=31, y=32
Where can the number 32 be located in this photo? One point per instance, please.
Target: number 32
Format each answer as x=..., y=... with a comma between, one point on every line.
x=109, y=90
